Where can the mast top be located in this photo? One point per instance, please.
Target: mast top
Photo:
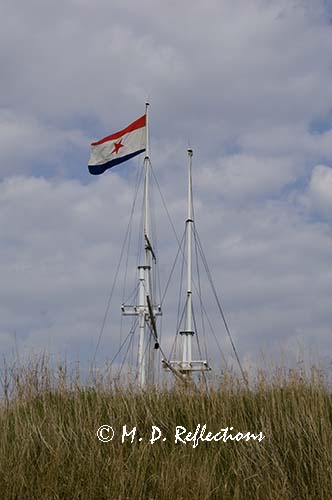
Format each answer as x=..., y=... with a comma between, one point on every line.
x=190, y=152
x=147, y=145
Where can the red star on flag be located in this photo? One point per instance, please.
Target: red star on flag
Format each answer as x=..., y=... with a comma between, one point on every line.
x=117, y=146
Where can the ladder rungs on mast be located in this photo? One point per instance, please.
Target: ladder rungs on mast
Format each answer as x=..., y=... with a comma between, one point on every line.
x=182, y=367
x=134, y=310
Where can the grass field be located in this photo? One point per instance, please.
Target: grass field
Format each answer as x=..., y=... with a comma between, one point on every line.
x=49, y=448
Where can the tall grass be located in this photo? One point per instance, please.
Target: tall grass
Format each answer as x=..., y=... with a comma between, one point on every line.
x=49, y=447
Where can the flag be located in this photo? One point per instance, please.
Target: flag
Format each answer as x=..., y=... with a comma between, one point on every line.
x=118, y=147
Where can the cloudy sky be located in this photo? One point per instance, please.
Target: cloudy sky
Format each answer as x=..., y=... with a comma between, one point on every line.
x=247, y=84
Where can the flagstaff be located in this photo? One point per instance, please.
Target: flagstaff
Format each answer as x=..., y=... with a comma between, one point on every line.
x=147, y=363
x=144, y=271
x=146, y=310
x=144, y=362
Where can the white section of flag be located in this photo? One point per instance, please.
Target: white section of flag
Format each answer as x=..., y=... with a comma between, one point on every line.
x=107, y=151
x=118, y=147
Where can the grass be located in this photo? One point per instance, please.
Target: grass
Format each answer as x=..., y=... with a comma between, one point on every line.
x=49, y=448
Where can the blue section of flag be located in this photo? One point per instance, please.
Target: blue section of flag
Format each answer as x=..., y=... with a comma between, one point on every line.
x=100, y=169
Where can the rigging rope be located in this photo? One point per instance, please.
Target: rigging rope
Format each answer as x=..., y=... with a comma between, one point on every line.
x=125, y=356
x=115, y=277
x=219, y=306
x=172, y=270
x=183, y=253
x=200, y=294
x=139, y=177
x=200, y=248
x=131, y=331
x=199, y=350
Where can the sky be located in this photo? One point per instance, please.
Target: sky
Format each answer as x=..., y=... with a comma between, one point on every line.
x=247, y=85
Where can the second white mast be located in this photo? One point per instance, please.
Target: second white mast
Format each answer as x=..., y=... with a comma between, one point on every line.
x=188, y=333
x=187, y=365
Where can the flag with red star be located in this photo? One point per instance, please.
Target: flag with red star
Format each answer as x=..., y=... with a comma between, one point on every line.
x=118, y=147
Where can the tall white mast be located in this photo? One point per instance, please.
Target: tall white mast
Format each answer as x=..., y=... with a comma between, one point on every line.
x=144, y=362
x=145, y=308
x=149, y=354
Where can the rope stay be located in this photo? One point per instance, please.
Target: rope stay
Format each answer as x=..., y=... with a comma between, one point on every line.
x=151, y=309
x=199, y=247
x=102, y=328
x=207, y=270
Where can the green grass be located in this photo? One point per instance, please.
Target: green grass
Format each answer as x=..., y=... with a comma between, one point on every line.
x=49, y=448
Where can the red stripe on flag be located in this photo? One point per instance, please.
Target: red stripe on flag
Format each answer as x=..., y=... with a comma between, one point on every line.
x=139, y=123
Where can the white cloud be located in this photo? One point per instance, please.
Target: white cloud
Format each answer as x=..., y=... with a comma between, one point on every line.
x=27, y=142
x=243, y=178
x=320, y=190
